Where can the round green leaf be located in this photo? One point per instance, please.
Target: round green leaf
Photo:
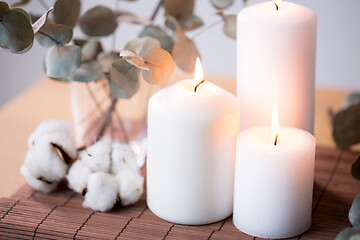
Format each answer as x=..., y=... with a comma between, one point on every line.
x=134, y=59
x=125, y=76
x=23, y=12
x=87, y=72
x=354, y=213
x=115, y=91
x=348, y=234
x=67, y=12
x=165, y=40
x=160, y=65
x=346, y=127
x=106, y=59
x=40, y=21
x=90, y=50
x=221, y=4
x=4, y=7
x=98, y=21
x=16, y=33
x=230, y=26
x=190, y=22
x=141, y=45
x=178, y=8
x=61, y=61
x=54, y=34
x=355, y=169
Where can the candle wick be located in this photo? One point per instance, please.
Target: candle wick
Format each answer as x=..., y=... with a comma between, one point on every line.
x=276, y=137
x=277, y=9
x=198, y=85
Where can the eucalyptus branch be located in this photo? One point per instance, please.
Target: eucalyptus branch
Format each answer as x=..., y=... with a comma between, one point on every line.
x=160, y=3
x=107, y=118
x=204, y=29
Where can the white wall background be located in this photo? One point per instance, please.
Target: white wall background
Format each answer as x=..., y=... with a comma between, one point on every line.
x=338, y=46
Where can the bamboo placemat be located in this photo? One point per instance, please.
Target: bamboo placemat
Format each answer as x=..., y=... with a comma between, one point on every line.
x=29, y=214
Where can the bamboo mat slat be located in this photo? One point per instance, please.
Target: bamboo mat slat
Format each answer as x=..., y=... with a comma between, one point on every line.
x=32, y=215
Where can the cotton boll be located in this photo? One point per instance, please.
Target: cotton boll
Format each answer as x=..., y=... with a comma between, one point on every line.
x=37, y=184
x=44, y=161
x=130, y=186
x=102, y=192
x=123, y=158
x=78, y=176
x=97, y=156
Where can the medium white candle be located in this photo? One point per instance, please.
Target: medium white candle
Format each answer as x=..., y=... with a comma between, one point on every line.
x=276, y=63
x=191, y=152
x=274, y=183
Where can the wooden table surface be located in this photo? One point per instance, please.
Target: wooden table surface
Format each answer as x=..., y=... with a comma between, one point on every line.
x=48, y=99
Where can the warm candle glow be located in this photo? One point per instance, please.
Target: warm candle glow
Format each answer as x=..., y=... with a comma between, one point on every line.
x=275, y=127
x=277, y=4
x=198, y=75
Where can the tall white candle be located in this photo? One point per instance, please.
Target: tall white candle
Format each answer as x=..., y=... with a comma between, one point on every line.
x=276, y=63
x=191, y=152
x=274, y=183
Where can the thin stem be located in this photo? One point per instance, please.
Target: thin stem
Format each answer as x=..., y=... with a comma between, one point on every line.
x=107, y=119
x=44, y=5
x=204, y=29
x=92, y=111
x=160, y=3
x=121, y=123
x=47, y=35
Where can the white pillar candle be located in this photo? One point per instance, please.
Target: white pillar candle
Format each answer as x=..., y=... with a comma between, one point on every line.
x=276, y=63
x=274, y=183
x=191, y=152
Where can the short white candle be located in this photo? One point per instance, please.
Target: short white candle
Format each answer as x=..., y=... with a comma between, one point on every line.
x=274, y=183
x=191, y=152
x=276, y=63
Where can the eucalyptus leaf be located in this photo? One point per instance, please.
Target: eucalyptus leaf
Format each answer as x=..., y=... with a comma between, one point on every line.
x=355, y=169
x=87, y=72
x=221, y=4
x=41, y=21
x=141, y=45
x=165, y=40
x=128, y=17
x=178, y=8
x=190, y=22
x=19, y=3
x=27, y=49
x=54, y=34
x=184, y=51
x=67, y=12
x=16, y=33
x=125, y=76
x=160, y=65
x=348, y=233
x=79, y=42
x=106, y=59
x=4, y=7
x=61, y=61
x=351, y=99
x=23, y=12
x=354, y=213
x=346, y=127
x=230, y=26
x=90, y=50
x=134, y=59
x=115, y=91
x=98, y=21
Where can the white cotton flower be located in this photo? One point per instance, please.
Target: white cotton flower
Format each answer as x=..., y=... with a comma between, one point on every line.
x=97, y=156
x=36, y=183
x=78, y=176
x=123, y=158
x=130, y=186
x=102, y=192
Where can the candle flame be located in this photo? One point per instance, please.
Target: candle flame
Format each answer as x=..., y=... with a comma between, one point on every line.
x=277, y=4
x=275, y=127
x=198, y=75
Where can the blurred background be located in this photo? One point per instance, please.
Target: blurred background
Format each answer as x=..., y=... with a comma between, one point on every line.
x=338, y=43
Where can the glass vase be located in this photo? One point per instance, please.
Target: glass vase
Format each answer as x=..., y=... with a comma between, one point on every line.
x=96, y=114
